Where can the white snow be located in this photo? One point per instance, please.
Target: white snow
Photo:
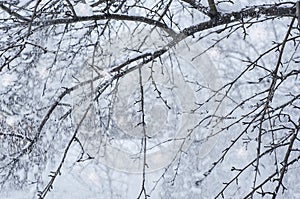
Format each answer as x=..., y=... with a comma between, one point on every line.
x=229, y=7
x=7, y=79
x=11, y=120
x=83, y=10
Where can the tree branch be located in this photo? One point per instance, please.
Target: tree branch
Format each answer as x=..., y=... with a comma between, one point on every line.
x=252, y=12
x=12, y=13
x=212, y=8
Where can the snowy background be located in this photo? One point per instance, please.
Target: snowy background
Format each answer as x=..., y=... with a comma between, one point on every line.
x=181, y=88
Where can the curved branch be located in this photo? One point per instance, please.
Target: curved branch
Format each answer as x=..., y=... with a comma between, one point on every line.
x=252, y=12
x=117, y=17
